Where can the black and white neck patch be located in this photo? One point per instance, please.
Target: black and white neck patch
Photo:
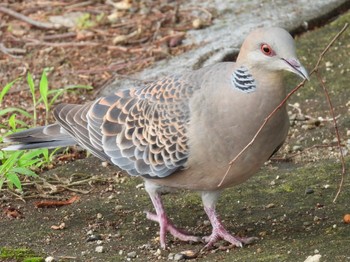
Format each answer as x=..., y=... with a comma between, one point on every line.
x=243, y=80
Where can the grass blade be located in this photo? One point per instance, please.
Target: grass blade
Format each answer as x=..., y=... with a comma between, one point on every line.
x=13, y=178
x=14, y=109
x=24, y=171
x=31, y=85
x=7, y=87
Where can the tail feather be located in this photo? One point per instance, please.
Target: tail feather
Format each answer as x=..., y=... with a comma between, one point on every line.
x=39, y=137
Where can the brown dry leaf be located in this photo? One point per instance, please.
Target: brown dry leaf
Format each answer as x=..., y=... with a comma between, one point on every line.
x=189, y=254
x=50, y=203
x=12, y=213
x=59, y=227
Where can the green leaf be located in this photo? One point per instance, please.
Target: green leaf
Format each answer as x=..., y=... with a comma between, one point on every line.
x=30, y=162
x=35, y=157
x=30, y=82
x=24, y=171
x=7, y=88
x=54, y=98
x=12, y=122
x=10, y=161
x=21, y=124
x=44, y=88
x=15, y=109
x=13, y=178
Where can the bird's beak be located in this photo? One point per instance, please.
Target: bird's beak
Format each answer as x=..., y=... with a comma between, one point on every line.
x=296, y=67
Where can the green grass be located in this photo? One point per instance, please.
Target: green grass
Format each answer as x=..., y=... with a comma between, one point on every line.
x=19, y=254
x=14, y=164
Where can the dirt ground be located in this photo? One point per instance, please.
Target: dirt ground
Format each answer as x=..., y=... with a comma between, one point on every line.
x=288, y=205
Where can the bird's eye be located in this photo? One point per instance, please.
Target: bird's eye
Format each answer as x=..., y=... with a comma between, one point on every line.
x=267, y=50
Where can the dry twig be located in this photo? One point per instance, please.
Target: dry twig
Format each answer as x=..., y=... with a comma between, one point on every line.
x=314, y=70
x=336, y=132
x=43, y=25
x=51, y=203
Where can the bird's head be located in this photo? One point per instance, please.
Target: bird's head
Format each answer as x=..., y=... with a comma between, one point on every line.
x=271, y=49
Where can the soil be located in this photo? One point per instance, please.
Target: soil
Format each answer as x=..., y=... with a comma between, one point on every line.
x=288, y=205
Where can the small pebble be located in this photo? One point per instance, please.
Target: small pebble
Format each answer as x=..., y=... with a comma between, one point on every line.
x=140, y=186
x=316, y=218
x=93, y=238
x=131, y=254
x=197, y=23
x=49, y=259
x=329, y=64
x=297, y=148
x=171, y=256
x=99, y=249
x=189, y=254
x=206, y=223
x=118, y=207
x=99, y=216
x=99, y=242
x=178, y=257
x=309, y=191
x=271, y=205
x=314, y=258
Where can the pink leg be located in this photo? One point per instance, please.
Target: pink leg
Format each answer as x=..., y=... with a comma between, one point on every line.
x=165, y=224
x=219, y=232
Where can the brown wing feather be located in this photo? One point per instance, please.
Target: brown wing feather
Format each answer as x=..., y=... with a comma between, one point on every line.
x=141, y=130
x=144, y=130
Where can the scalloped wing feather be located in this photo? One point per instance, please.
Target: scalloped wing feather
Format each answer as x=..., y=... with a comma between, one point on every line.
x=141, y=130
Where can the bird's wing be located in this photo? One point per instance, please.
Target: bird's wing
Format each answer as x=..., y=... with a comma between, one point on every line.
x=141, y=130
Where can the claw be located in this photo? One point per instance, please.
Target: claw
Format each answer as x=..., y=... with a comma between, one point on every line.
x=219, y=232
x=167, y=226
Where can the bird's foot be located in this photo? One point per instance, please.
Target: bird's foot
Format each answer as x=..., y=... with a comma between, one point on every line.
x=167, y=226
x=221, y=233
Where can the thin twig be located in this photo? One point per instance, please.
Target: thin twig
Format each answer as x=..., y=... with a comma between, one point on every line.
x=290, y=156
x=16, y=195
x=337, y=134
x=283, y=102
x=43, y=25
x=10, y=51
x=261, y=127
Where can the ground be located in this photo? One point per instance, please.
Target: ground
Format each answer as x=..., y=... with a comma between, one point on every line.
x=288, y=205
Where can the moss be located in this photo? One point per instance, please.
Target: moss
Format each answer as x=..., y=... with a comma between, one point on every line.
x=33, y=259
x=20, y=254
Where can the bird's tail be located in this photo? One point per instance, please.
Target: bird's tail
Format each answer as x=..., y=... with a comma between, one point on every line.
x=50, y=136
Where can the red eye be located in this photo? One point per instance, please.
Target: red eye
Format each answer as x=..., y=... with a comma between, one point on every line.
x=267, y=50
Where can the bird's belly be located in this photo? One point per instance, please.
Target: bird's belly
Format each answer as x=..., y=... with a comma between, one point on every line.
x=210, y=170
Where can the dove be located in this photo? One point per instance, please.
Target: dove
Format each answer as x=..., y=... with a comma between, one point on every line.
x=181, y=131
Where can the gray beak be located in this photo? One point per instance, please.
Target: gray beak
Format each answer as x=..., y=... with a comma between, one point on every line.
x=296, y=67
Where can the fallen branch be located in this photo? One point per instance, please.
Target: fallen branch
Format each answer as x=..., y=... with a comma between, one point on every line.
x=43, y=25
x=315, y=69
x=47, y=203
